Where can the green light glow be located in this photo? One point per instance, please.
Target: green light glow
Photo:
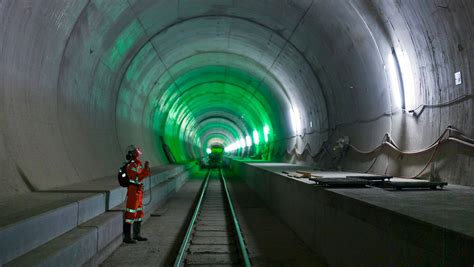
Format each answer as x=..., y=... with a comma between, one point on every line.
x=208, y=90
x=188, y=102
x=200, y=106
x=125, y=41
x=266, y=131
x=256, y=138
x=248, y=141
x=242, y=143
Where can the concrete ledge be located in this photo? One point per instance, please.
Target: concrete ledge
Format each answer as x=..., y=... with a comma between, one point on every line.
x=103, y=254
x=115, y=197
x=89, y=243
x=160, y=193
x=71, y=249
x=90, y=207
x=162, y=173
x=30, y=220
x=164, y=191
x=370, y=226
x=35, y=219
x=115, y=194
x=109, y=227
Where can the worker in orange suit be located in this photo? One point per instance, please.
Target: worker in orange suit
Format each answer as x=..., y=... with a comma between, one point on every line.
x=134, y=209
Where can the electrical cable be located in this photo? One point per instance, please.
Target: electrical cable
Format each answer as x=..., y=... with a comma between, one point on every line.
x=150, y=191
x=443, y=138
x=149, y=188
x=435, y=152
x=454, y=101
x=390, y=143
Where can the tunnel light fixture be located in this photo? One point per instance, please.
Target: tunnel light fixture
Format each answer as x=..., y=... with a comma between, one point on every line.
x=406, y=74
x=242, y=143
x=295, y=119
x=401, y=79
x=208, y=150
x=266, y=131
x=256, y=138
x=248, y=141
x=232, y=147
x=457, y=78
x=395, y=83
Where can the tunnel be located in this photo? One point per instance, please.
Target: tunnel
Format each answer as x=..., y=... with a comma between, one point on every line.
x=289, y=88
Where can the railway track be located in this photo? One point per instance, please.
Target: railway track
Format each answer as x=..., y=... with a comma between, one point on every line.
x=213, y=236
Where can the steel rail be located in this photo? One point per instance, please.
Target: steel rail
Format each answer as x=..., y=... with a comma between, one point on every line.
x=243, y=248
x=182, y=249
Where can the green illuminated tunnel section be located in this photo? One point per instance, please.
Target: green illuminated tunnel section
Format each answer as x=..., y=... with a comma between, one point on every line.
x=232, y=93
x=211, y=136
x=227, y=131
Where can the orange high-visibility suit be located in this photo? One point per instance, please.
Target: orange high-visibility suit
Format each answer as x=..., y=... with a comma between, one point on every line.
x=134, y=209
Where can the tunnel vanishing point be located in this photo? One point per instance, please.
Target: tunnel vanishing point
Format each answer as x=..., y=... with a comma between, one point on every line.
x=368, y=86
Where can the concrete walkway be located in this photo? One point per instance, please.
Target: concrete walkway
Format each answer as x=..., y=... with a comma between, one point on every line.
x=164, y=230
x=270, y=242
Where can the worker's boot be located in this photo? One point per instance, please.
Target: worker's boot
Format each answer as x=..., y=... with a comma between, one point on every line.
x=127, y=232
x=136, y=232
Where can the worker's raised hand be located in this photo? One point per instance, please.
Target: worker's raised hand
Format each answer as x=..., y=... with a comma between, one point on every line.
x=147, y=164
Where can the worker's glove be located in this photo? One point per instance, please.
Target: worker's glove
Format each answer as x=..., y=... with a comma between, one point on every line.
x=147, y=164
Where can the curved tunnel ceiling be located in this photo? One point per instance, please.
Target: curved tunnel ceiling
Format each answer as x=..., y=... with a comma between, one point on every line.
x=84, y=79
x=223, y=63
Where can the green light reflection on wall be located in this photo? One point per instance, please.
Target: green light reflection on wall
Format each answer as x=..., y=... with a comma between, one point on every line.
x=195, y=94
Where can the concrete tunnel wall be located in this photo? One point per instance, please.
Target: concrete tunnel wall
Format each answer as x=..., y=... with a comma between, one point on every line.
x=82, y=79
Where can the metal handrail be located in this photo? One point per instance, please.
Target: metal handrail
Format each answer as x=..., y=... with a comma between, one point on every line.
x=243, y=249
x=182, y=249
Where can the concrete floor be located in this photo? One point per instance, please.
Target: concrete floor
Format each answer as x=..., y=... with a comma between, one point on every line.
x=372, y=226
x=270, y=242
x=451, y=208
x=164, y=229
